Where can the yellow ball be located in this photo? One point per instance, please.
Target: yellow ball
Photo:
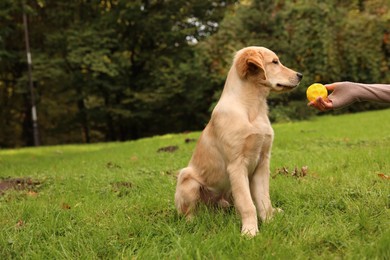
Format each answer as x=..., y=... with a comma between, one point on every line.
x=316, y=90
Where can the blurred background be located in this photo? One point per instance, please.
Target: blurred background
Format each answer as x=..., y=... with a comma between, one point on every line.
x=120, y=70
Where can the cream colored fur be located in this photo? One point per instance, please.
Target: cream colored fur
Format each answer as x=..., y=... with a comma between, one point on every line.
x=232, y=157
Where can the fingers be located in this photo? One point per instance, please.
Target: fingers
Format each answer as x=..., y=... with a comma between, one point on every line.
x=324, y=104
x=321, y=104
x=311, y=104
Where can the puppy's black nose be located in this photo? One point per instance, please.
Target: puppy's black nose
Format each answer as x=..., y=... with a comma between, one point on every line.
x=299, y=75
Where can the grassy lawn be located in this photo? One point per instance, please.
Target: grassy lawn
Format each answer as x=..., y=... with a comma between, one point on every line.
x=115, y=200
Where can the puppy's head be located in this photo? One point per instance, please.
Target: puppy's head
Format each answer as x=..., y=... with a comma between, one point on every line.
x=262, y=67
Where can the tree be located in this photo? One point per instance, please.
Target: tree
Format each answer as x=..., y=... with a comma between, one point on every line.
x=15, y=116
x=111, y=70
x=157, y=37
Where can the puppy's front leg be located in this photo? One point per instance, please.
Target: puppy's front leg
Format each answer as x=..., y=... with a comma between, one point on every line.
x=239, y=181
x=260, y=187
x=260, y=193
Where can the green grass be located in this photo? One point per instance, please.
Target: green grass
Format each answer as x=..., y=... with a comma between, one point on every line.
x=115, y=200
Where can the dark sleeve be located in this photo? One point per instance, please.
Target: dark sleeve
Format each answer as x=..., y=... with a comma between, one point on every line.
x=346, y=93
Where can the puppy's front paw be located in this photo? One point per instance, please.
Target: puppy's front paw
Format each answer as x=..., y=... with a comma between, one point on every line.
x=267, y=216
x=249, y=231
x=276, y=211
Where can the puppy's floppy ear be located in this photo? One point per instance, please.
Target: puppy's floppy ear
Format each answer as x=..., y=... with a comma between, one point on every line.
x=250, y=62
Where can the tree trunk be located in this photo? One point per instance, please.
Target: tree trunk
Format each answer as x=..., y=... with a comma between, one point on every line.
x=83, y=119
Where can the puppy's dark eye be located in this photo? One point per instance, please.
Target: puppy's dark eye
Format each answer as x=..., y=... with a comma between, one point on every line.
x=275, y=62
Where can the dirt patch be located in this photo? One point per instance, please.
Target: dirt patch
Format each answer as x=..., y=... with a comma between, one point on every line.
x=122, y=188
x=168, y=149
x=190, y=140
x=20, y=184
x=111, y=165
x=122, y=184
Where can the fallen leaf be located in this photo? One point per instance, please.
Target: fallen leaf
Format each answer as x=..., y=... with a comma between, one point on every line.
x=32, y=193
x=295, y=172
x=20, y=223
x=65, y=206
x=383, y=176
x=304, y=170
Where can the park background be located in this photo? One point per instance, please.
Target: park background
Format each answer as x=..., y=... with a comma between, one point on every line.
x=106, y=71
x=120, y=70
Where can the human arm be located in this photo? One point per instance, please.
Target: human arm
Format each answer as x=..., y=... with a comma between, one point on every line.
x=346, y=93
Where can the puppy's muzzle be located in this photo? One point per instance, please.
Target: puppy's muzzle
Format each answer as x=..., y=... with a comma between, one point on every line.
x=296, y=81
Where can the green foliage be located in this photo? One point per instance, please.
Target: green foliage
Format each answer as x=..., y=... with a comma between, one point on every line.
x=115, y=200
x=119, y=70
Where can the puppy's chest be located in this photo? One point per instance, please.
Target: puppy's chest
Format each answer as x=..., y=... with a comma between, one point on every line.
x=257, y=148
x=256, y=144
x=263, y=129
x=259, y=141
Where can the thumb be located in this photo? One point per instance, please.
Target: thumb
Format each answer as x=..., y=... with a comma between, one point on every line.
x=330, y=87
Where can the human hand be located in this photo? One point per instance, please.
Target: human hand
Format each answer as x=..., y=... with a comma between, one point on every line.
x=323, y=104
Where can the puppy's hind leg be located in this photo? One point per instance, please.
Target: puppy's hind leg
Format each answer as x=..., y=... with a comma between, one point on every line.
x=187, y=192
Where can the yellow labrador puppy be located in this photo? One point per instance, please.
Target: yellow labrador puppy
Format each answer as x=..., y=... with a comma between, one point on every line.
x=232, y=157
